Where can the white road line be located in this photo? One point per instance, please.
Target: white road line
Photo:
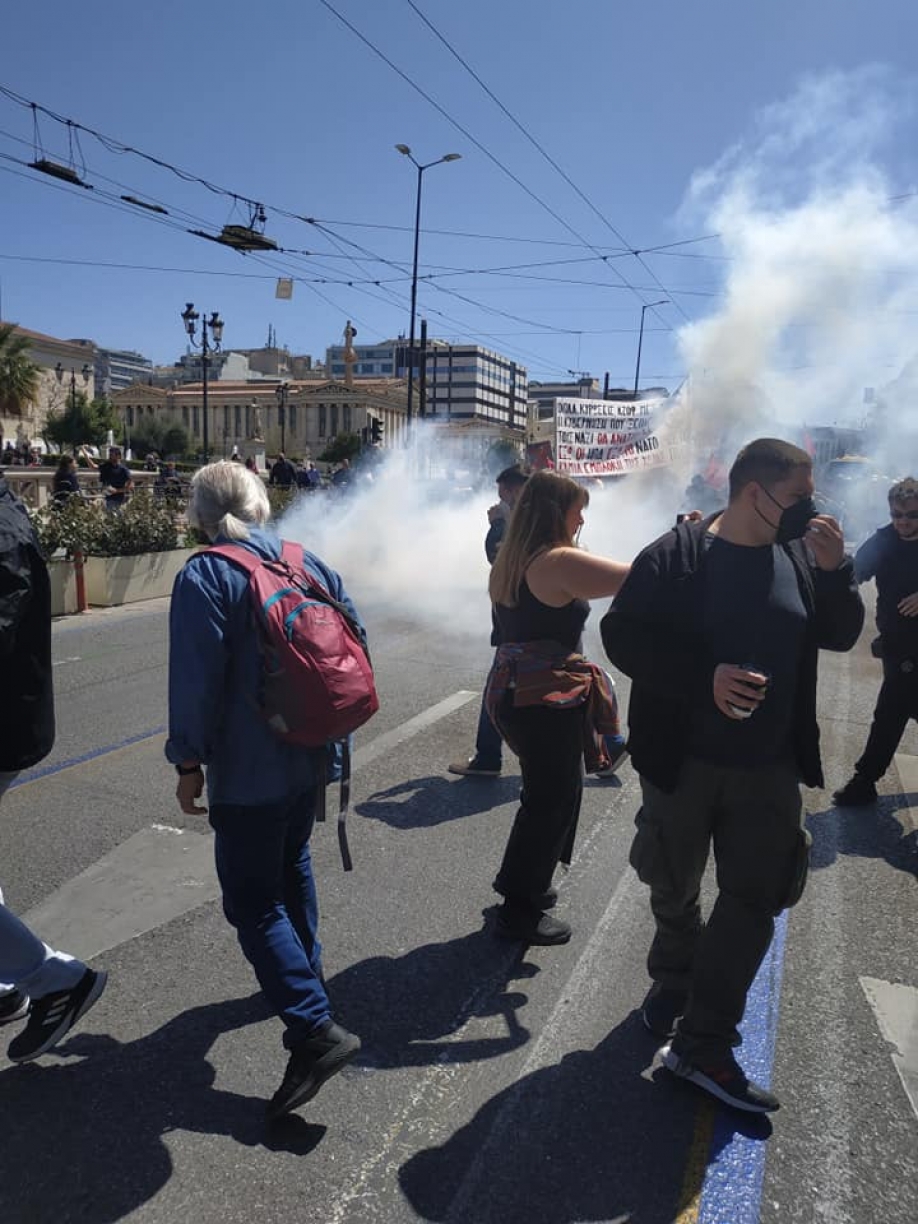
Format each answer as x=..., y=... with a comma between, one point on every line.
x=383, y=744
x=162, y=871
x=70, y=659
x=896, y=1009
x=907, y=766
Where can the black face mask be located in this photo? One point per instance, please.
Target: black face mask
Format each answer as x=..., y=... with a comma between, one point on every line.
x=793, y=522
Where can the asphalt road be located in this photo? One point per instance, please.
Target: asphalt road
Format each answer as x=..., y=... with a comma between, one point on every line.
x=494, y=1085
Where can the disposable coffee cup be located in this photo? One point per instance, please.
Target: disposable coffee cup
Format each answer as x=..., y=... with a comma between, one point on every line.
x=762, y=687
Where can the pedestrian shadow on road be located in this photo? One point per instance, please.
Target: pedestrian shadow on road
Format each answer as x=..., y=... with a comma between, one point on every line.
x=602, y=1135
x=422, y=803
x=872, y=831
x=84, y=1140
x=408, y=1008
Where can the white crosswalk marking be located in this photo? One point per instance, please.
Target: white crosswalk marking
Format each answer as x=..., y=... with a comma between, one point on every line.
x=896, y=1009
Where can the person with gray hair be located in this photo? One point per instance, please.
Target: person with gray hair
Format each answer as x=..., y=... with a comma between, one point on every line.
x=261, y=790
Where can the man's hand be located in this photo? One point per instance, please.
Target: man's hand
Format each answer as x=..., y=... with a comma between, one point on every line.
x=190, y=786
x=824, y=536
x=909, y=605
x=496, y=512
x=735, y=686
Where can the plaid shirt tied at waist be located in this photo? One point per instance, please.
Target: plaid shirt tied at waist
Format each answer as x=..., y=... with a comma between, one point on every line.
x=548, y=674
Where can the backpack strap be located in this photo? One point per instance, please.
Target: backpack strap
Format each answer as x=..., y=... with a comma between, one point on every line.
x=343, y=802
x=243, y=557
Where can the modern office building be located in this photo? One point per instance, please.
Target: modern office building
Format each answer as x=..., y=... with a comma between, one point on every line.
x=459, y=382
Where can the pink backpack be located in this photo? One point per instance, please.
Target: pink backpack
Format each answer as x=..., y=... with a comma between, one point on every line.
x=317, y=681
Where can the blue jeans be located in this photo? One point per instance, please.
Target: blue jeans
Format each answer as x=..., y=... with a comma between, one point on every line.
x=488, y=744
x=269, y=896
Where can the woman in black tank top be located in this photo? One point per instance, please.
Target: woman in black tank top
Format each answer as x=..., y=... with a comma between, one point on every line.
x=540, y=586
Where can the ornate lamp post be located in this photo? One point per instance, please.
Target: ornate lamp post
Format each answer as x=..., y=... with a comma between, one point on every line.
x=282, y=392
x=447, y=157
x=207, y=346
x=85, y=372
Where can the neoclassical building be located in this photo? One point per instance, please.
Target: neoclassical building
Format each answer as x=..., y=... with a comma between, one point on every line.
x=299, y=417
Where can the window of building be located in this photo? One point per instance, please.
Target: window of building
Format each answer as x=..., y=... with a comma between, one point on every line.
x=130, y=415
x=226, y=419
x=346, y=413
x=291, y=417
x=185, y=415
x=248, y=420
x=334, y=420
x=323, y=421
x=195, y=419
x=237, y=420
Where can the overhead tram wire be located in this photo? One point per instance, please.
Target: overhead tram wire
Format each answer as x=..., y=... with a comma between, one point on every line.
x=537, y=145
x=478, y=145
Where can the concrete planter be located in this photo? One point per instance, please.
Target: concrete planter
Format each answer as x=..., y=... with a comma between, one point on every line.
x=120, y=580
x=63, y=587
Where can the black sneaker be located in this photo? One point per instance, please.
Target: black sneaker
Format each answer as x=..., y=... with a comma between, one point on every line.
x=312, y=1062
x=857, y=792
x=13, y=1006
x=530, y=925
x=53, y=1016
x=724, y=1080
x=473, y=768
x=662, y=1008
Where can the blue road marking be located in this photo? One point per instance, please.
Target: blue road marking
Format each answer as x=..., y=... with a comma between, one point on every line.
x=45, y=771
x=732, y=1190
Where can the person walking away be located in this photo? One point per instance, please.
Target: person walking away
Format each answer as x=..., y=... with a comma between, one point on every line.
x=50, y=990
x=488, y=758
x=261, y=790
x=115, y=478
x=890, y=556
x=283, y=473
x=548, y=702
x=719, y=627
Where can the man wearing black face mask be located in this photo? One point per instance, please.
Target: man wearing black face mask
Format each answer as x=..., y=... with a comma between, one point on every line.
x=719, y=626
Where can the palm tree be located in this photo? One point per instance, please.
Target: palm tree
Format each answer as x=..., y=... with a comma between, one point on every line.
x=18, y=374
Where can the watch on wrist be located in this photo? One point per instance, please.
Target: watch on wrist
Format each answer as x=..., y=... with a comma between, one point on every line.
x=183, y=771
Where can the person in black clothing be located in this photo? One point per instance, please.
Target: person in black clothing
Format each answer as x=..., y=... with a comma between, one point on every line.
x=115, y=479
x=891, y=556
x=49, y=989
x=719, y=626
x=488, y=758
x=283, y=473
x=540, y=585
x=65, y=481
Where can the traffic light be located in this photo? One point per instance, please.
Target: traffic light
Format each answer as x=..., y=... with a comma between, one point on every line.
x=376, y=429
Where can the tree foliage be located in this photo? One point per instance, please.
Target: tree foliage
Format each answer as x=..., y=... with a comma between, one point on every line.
x=145, y=524
x=166, y=435
x=342, y=446
x=19, y=376
x=81, y=422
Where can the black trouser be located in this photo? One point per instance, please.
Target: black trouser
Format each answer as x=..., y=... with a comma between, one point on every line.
x=550, y=746
x=896, y=704
x=752, y=819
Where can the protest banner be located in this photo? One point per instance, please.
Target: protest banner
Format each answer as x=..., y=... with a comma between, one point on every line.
x=609, y=437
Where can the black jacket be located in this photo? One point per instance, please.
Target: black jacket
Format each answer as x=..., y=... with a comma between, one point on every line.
x=653, y=632
x=26, y=695
x=894, y=564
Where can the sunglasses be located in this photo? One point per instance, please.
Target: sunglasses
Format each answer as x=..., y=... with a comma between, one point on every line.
x=911, y=515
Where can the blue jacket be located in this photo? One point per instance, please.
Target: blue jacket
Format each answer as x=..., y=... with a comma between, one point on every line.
x=214, y=667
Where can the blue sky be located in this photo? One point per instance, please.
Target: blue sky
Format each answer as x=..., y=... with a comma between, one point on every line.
x=284, y=105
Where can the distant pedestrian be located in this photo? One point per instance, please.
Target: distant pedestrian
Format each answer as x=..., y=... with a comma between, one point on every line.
x=50, y=990
x=283, y=473
x=343, y=476
x=488, y=759
x=116, y=480
x=891, y=556
x=65, y=482
x=261, y=790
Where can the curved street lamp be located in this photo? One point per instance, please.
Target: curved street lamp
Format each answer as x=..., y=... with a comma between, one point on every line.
x=447, y=157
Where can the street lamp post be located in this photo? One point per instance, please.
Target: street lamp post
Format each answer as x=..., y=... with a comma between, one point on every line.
x=281, y=393
x=637, y=368
x=212, y=345
x=447, y=157
x=85, y=372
